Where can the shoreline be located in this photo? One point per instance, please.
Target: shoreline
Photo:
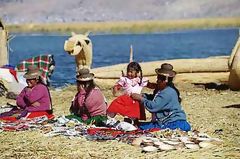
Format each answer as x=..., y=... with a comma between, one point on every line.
x=121, y=27
x=124, y=33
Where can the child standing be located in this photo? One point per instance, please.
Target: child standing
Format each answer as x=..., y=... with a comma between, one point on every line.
x=124, y=104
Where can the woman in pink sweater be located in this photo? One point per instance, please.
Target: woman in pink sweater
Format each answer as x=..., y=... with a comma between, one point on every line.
x=34, y=100
x=34, y=97
x=89, y=105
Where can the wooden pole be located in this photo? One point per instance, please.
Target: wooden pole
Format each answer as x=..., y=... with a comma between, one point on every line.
x=131, y=54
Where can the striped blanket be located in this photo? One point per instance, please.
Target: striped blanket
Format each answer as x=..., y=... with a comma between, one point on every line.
x=45, y=63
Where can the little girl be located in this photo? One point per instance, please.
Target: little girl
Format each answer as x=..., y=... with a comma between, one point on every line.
x=124, y=104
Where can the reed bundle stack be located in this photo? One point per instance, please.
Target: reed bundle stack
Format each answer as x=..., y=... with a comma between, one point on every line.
x=3, y=45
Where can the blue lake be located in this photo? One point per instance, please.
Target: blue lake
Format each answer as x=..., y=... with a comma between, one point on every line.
x=114, y=49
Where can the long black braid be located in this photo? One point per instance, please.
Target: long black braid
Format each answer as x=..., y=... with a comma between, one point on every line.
x=171, y=84
x=40, y=80
x=135, y=66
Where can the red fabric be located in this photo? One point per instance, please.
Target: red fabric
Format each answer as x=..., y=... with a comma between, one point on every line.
x=114, y=133
x=16, y=127
x=8, y=118
x=30, y=115
x=126, y=106
x=104, y=131
x=42, y=61
x=14, y=73
x=11, y=115
x=154, y=129
x=38, y=114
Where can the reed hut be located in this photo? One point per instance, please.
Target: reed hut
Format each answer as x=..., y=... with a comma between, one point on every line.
x=3, y=45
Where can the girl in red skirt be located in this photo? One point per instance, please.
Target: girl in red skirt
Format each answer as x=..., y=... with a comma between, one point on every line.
x=124, y=104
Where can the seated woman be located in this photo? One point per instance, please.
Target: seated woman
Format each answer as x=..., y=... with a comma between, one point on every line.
x=34, y=100
x=165, y=104
x=89, y=105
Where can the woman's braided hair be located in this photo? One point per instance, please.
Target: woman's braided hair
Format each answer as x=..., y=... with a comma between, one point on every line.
x=171, y=84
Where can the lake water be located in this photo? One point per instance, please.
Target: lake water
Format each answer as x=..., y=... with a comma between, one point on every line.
x=114, y=49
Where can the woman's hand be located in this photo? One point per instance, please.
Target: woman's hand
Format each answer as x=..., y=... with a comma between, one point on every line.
x=136, y=96
x=28, y=89
x=115, y=91
x=80, y=87
x=151, y=85
x=36, y=104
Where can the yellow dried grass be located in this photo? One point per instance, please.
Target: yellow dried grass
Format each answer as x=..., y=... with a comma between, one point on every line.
x=127, y=26
x=206, y=111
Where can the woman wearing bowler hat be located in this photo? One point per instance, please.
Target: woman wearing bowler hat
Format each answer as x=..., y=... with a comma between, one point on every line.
x=89, y=105
x=34, y=100
x=165, y=103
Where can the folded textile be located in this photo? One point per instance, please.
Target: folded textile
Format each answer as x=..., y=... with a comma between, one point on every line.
x=96, y=120
x=45, y=63
x=15, y=114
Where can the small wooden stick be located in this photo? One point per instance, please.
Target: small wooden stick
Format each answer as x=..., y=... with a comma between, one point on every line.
x=123, y=74
x=131, y=54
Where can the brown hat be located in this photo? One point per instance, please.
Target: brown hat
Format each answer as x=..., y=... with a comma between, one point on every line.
x=166, y=70
x=84, y=75
x=32, y=72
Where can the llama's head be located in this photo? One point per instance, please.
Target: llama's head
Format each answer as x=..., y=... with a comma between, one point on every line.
x=76, y=43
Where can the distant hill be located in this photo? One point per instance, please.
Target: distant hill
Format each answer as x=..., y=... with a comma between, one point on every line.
x=46, y=11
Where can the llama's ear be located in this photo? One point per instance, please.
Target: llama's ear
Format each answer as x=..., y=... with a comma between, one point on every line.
x=73, y=33
x=87, y=41
x=87, y=33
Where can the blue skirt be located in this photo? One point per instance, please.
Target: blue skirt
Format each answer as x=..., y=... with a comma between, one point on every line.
x=179, y=124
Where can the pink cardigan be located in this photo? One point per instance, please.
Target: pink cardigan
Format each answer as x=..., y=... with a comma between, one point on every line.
x=95, y=103
x=132, y=85
x=39, y=93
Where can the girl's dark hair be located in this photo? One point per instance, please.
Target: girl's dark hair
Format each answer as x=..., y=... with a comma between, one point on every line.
x=135, y=66
x=171, y=84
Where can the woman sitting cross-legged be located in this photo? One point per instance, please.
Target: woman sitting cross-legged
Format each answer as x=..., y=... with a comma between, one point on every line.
x=89, y=105
x=34, y=100
x=165, y=104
